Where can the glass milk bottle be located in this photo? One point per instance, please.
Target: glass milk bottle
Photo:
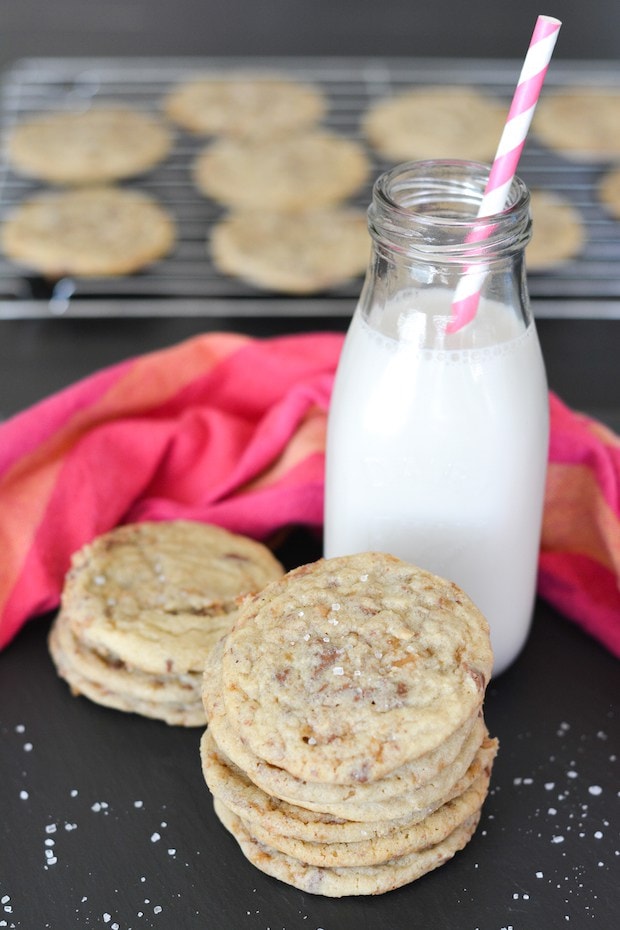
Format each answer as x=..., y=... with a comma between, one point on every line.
x=437, y=441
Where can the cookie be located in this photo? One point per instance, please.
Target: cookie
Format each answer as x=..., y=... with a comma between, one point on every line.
x=344, y=881
x=580, y=123
x=86, y=232
x=348, y=668
x=238, y=792
x=144, y=604
x=299, y=171
x=609, y=192
x=299, y=253
x=417, y=786
x=102, y=144
x=171, y=698
x=242, y=104
x=376, y=850
x=435, y=122
x=558, y=232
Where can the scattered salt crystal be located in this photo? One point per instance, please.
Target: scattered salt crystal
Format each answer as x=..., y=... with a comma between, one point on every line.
x=51, y=828
x=5, y=899
x=549, y=785
x=20, y=728
x=107, y=918
x=552, y=811
x=163, y=824
x=311, y=741
x=99, y=579
x=49, y=842
x=338, y=670
x=539, y=875
x=23, y=795
x=364, y=577
x=326, y=639
x=157, y=909
x=528, y=781
x=27, y=747
x=595, y=789
x=557, y=839
x=155, y=837
x=598, y=835
x=74, y=792
x=357, y=673
x=70, y=826
x=172, y=852
x=138, y=803
x=572, y=773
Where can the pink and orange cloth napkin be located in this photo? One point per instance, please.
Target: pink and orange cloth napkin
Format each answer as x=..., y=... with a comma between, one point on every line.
x=229, y=429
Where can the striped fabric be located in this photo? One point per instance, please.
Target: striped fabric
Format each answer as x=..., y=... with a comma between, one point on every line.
x=228, y=429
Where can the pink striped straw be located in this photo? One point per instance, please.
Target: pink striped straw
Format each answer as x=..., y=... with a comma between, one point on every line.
x=503, y=170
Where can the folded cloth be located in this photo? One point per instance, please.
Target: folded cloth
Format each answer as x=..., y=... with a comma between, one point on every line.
x=230, y=430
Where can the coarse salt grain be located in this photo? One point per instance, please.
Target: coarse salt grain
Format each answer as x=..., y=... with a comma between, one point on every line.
x=23, y=795
x=155, y=837
x=595, y=789
x=557, y=839
x=338, y=670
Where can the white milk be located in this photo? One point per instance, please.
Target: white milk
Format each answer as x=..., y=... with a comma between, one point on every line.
x=439, y=457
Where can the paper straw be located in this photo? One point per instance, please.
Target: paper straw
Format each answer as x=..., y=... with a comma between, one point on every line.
x=504, y=168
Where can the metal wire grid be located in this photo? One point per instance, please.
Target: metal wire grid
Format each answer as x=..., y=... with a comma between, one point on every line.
x=36, y=85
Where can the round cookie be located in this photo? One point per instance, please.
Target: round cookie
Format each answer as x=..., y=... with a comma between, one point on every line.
x=557, y=231
x=88, y=147
x=580, y=123
x=300, y=171
x=435, y=122
x=355, y=805
x=376, y=850
x=299, y=253
x=171, y=698
x=143, y=605
x=341, y=881
x=238, y=792
x=609, y=192
x=242, y=104
x=88, y=232
x=348, y=668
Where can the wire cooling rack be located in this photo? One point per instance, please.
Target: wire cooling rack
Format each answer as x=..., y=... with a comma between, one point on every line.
x=186, y=282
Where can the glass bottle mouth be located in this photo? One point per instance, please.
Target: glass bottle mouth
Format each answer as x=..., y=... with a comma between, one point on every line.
x=429, y=208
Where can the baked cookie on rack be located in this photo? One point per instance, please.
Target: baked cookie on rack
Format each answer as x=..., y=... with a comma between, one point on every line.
x=580, y=123
x=98, y=145
x=558, y=231
x=88, y=232
x=297, y=253
x=301, y=171
x=244, y=103
x=435, y=121
x=144, y=604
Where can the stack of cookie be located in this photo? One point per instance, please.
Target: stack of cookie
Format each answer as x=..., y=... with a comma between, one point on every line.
x=143, y=605
x=346, y=748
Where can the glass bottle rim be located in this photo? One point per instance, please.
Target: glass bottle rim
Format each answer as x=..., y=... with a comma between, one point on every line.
x=430, y=208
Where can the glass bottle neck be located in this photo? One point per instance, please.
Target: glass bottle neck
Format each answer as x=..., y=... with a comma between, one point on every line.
x=427, y=238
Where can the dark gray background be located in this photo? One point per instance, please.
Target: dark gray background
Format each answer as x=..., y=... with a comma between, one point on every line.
x=475, y=28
